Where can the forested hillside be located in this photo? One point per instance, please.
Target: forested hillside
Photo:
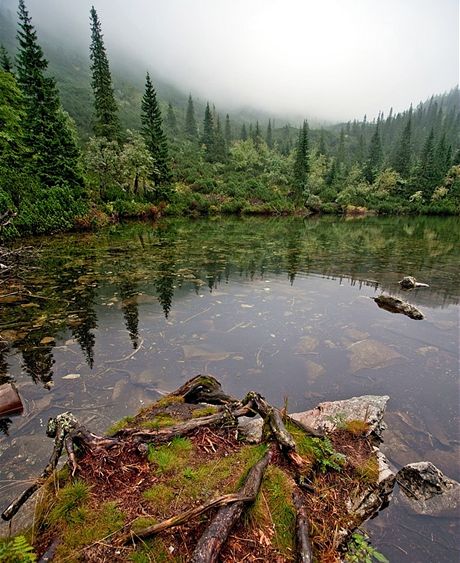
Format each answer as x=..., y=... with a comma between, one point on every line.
x=122, y=148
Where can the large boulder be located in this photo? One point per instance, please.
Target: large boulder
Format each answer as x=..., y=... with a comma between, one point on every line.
x=331, y=414
x=328, y=416
x=427, y=491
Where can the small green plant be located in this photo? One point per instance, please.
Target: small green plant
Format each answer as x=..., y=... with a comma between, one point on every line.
x=16, y=550
x=171, y=455
x=360, y=551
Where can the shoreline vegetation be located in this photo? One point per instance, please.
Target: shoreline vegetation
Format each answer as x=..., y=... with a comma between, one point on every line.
x=55, y=177
x=202, y=476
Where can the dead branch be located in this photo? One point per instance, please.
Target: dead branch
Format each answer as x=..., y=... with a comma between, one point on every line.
x=185, y=516
x=209, y=545
x=302, y=530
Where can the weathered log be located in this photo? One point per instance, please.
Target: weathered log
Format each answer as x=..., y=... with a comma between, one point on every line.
x=10, y=401
x=226, y=416
x=209, y=545
x=203, y=389
x=302, y=530
x=395, y=305
x=184, y=517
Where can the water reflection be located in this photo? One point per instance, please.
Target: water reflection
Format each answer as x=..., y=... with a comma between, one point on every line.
x=126, y=263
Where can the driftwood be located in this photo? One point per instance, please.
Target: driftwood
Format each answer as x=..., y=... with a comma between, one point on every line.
x=209, y=545
x=67, y=432
x=395, y=305
x=10, y=402
x=227, y=416
x=302, y=530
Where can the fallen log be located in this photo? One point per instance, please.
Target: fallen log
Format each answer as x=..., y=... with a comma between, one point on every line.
x=302, y=530
x=209, y=545
x=10, y=401
x=226, y=416
x=395, y=305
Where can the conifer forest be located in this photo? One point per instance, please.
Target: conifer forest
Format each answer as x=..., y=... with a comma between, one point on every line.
x=64, y=166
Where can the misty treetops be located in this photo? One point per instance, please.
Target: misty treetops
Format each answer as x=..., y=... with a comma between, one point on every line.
x=184, y=153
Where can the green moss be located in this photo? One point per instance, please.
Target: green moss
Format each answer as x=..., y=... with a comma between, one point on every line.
x=69, y=505
x=95, y=526
x=274, y=508
x=161, y=420
x=160, y=495
x=155, y=551
x=143, y=522
x=170, y=456
x=205, y=411
x=168, y=400
x=122, y=423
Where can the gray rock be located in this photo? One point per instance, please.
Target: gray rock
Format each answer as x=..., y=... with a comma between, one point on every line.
x=427, y=491
x=250, y=429
x=328, y=415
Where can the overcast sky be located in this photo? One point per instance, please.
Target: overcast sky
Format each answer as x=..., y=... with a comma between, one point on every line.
x=330, y=59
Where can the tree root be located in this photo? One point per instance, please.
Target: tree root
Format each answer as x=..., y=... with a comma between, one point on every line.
x=209, y=545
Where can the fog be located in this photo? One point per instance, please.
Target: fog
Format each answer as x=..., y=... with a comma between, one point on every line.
x=329, y=59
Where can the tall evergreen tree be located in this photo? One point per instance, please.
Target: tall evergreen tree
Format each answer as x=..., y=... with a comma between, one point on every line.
x=269, y=137
x=208, y=138
x=106, y=123
x=171, y=120
x=374, y=158
x=341, y=149
x=322, y=143
x=6, y=63
x=427, y=175
x=190, y=121
x=244, y=133
x=152, y=131
x=301, y=163
x=402, y=157
x=228, y=131
x=443, y=157
x=48, y=135
x=257, y=137
x=219, y=142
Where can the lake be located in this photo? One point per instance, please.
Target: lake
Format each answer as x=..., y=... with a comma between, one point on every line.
x=103, y=323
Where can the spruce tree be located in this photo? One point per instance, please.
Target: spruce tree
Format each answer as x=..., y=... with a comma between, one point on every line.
x=228, y=131
x=244, y=133
x=6, y=63
x=341, y=149
x=257, y=137
x=152, y=131
x=301, y=163
x=322, y=143
x=427, y=175
x=443, y=157
x=219, y=142
x=402, y=157
x=171, y=120
x=190, y=121
x=48, y=132
x=106, y=123
x=269, y=137
x=208, y=138
x=375, y=156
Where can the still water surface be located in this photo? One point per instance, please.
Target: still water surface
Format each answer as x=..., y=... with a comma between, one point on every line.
x=104, y=323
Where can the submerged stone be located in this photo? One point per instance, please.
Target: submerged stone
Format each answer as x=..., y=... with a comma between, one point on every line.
x=370, y=354
x=427, y=491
